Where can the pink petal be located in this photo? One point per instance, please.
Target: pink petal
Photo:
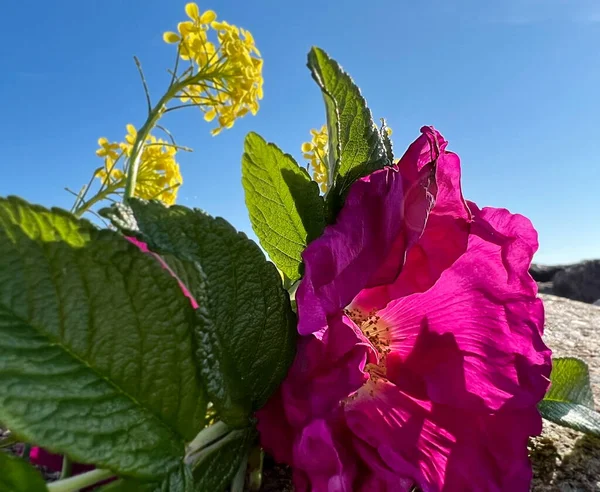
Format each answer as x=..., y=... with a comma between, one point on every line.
x=340, y=262
x=474, y=338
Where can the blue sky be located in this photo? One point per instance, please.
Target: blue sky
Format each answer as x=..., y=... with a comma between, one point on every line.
x=513, y=86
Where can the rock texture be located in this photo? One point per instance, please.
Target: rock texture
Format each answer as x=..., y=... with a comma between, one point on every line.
x=565, y=460
x=580, y=282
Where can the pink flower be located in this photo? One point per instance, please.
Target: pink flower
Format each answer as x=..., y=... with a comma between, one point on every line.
x=420, y=360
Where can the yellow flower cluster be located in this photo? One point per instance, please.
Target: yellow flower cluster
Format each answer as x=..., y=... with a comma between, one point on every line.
x=316, y=153
x=158, y=177
x=228, y=82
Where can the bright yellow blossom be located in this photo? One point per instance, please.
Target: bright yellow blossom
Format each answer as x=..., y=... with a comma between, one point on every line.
x=107, y=149
x=158, y=176
x=230, y=81
x=316, y=153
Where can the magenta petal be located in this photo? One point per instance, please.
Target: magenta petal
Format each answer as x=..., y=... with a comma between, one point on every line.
x=340, y=262
x=324, y=461
x=474, y=338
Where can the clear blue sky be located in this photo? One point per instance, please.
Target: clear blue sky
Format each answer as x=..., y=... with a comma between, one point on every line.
x=513, y=85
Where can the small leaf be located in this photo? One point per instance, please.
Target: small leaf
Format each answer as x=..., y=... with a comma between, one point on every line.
x=387, y=141
x=569, y=401
x=16, y=475
x=246, y=329
x=97, y=345
x=214, y=471
x=355, y=144
x=180, y=480
x=285, y=207
x=571, y=415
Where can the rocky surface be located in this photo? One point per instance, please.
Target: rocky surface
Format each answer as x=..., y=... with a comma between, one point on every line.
x=565, y=460
x=580, y=282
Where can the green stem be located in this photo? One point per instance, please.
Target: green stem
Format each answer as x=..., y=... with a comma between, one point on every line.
x=237, y=484
x=67, y=468
x=207, y=435
x=156, y=114
x=85, y=206
x=78, y=482
x=26, y=451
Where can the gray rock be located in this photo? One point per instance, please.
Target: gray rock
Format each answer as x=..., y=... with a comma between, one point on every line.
x=544, y=273
x=597, y=303
x=545, y=288
x=565, y=460
x=580, y=282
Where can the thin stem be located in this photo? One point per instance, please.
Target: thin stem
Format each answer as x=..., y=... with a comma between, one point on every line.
x=208, y=435
x=26, y=451
x=83, y=193
x=237, y=484
x=74, y=484
x=181, y=106
x=67, y=468
x=155, y=114
x=174, y=73
x=146, y=91
x=97, y=197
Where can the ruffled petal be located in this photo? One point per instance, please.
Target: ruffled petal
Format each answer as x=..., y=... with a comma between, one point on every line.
x=441, y=448
x=340, y=262
x=474, y=338
x=430, y=174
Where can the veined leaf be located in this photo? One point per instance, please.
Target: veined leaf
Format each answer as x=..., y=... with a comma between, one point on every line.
x=569, y=401
x=285, y=207
x=355, y=144
x=96, y=345
x=246, y=331
x=16, y=475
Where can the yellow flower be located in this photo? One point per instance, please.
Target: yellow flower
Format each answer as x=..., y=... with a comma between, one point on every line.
x=316, y=153
x=107, y=149
x=228, y=71
x=158, y=177
x=109, y=175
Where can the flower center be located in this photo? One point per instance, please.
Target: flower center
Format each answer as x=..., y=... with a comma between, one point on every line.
x=374, y=329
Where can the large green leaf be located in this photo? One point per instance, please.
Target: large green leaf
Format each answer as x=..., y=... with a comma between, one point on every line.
x=16, y=475
x=246, y=325
x=285, y=207
x=569, y=401
x=96, y=345
x=356, y=147
x=215, y=469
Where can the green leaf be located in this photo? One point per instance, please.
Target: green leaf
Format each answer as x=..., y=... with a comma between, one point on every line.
x=97, y=345
x=180, y=480
x=285, y=206
x=569, y=401
x=16, y=475
x=387, y=141
x=215, y=469
x=355, y=144
x=246, y=332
